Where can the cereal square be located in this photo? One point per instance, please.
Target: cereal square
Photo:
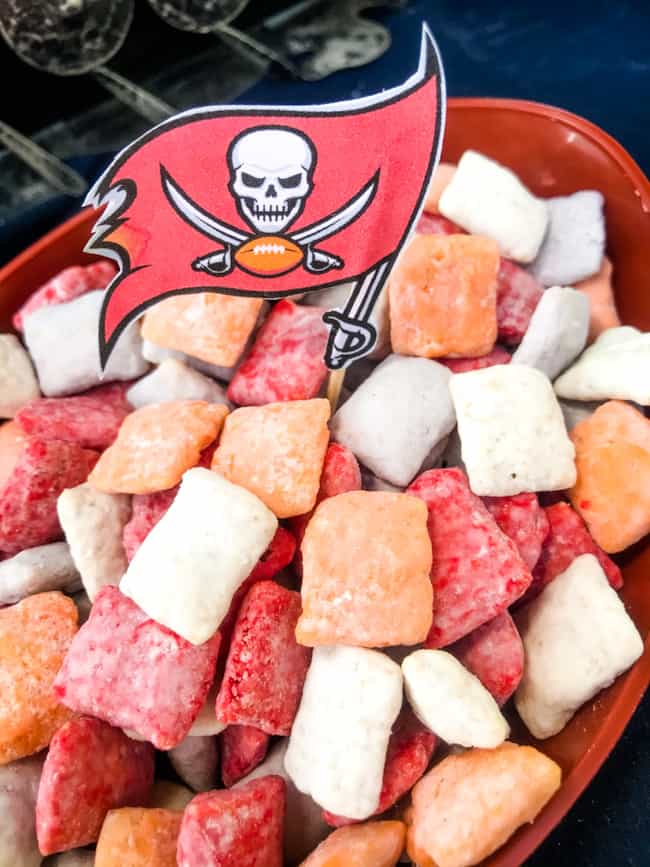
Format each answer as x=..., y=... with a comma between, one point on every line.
x=276, y=452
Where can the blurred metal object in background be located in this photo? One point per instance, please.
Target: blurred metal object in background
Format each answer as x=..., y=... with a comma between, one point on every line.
x=320, y=37
x=75, y=37
x=214, y=17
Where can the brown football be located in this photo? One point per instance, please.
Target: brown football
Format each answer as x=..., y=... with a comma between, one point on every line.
x=269, y=255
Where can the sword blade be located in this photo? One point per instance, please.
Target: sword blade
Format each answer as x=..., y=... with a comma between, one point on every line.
x=197, y=217
x=339, y=219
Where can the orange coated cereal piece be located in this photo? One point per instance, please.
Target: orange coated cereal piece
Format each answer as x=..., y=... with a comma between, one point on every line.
x=441, y=177
x=443, y=296
x=156, y=444
x=602, y=306
x=612, y=490
x=366, y=563
x=137, y=837
x=212, y=327
x=374, y=844
x=276, y=451
x=470, y=804
x=35, y=635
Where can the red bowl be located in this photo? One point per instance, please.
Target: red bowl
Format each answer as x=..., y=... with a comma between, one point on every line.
x=554, y=153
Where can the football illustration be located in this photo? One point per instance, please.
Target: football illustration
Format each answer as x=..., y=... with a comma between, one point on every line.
x=269, y=255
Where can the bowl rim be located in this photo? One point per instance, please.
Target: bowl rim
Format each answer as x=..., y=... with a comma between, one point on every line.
x=636, y=680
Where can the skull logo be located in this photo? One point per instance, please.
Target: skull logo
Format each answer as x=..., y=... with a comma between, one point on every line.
x=271, y=173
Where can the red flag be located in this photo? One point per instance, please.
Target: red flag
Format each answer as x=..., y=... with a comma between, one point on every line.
x=266, y=201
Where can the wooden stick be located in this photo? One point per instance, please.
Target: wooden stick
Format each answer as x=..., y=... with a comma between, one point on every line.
x=334, y=386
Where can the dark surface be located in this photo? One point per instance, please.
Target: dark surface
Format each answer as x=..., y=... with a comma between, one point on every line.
x=591, y=58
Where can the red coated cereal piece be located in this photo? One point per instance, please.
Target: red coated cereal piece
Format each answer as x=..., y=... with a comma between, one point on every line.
x=495, y=654
x=90, y=768
x=523, y=520
x=235, y=828
x=568, y=538
x=91, y=420
x=28, y=498
x=266, y=667
x=279, y=554
x=477, y=571
x=341, y=474
x=518, y=294
x=146, y=511
x=66, y=286
x=134, y=673
x=435, y=224
x=35, y=635
x=461, y=365
x=410, y=748
x=243, y=748
x=286, y=360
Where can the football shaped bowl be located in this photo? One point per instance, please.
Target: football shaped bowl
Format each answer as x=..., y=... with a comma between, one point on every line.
x=554, y=153
x=269, y=255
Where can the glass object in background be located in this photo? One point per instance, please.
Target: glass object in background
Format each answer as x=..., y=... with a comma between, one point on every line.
x=76, y=37
x=50, y=168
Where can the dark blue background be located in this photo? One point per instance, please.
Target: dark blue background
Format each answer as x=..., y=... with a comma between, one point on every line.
x=593, y=59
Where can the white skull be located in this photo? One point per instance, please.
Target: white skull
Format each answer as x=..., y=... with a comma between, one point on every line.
x=270, y=176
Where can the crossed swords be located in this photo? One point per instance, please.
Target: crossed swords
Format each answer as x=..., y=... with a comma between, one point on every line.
x=351, y=334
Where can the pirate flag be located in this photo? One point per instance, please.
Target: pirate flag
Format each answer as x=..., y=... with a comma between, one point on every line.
x=271, y=202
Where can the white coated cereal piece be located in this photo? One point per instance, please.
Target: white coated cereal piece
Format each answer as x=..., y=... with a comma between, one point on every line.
x=195, y=760
x=63, y=341
x=575, y=411
x=337, y=747
x=173, y=380
x=73, y=858
x=170, y=796
x=485, y=198
x=37, y=570
x=371, y=482
x=557, y=332
x=93, y=522
x=396, y=417
x=616, y=366
x=18, y=383
x=305, y=827
x=512, y=432
x=577, y=638
x=200, y=551
x=18, y=789
x=574, y=245
x=336, y=297
x=451, y=701
x=206, y=722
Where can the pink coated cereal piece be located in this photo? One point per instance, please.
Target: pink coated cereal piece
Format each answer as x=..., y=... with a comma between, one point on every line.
x=65, y=286
x=91, y=420
x=266, y=667
x=518, y=294
x=410, y=748
x=235, y=828
x=286, y=361
x=279, y=554
x=440, y=180
x=90, y=768
x=243, y=748
x=461, y=365
x=495, y=654
x=435, y=224
x=602, y=304
x=134, y=673
x=568, y=538
x=523, y=520
x=196, y=760
x=28, y=497
x=477, y=571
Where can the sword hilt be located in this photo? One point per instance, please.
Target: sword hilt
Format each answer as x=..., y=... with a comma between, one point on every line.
x=349, y=339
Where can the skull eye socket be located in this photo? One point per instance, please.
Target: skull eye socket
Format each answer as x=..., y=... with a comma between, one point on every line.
x=251, y=180
x=291, y=182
